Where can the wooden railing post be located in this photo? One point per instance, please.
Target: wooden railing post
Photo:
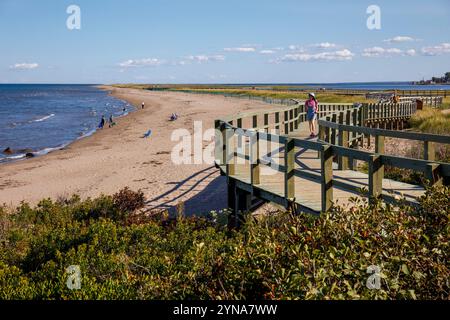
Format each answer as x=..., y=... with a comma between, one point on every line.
x=328, y=131
x=277, y=121
x=375, y=177
x=219, y=142
x=326, y=159
x=361, y=124
x=333, y=130
x=266, y=122
x=379, y=148
x=343, y=142
x=291, y=120
x=255, y=122
x=429, y=151
x=321, y=133
x=254, y=159
x=286, y=122
x=289, y=174
x=230, y=152
x=433, y=174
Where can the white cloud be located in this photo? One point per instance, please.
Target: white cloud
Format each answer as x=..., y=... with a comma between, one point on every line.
x=267, y=51
x=410, y=52
x=442, y=48
x=341, y=55
x=324, y=45
x=241, y=49
x=376, y=52
x=293, y=47
x=400, y=39
x=205, y=58
x=24, y=66
x=150, y=62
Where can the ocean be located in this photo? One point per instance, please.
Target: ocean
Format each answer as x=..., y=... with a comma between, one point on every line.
x=41, y=118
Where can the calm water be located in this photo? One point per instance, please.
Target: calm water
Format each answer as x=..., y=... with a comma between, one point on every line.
x=42, y=118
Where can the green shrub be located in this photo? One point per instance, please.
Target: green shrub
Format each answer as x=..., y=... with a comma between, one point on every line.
x=275, y=257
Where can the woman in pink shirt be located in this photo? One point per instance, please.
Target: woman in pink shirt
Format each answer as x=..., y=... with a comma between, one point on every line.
x=312, y=108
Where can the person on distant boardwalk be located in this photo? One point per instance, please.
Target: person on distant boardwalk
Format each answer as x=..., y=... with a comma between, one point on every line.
x=312, y=108
x=102, y=122
x=143, y=105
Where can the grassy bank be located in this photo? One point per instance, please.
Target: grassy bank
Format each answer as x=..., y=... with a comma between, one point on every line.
x=127, y=256
x=321, y=96
x=432, y=121
x=276, y=93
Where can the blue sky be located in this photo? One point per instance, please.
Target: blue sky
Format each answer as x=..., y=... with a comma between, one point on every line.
x=198, y=41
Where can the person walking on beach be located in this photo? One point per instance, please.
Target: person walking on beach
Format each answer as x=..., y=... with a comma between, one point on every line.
x=111, y=121
x=312, y=108
x=143, y=105
x=102, y=122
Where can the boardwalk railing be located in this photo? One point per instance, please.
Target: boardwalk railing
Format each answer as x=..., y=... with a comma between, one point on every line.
x=427, y=101
x=245, y=136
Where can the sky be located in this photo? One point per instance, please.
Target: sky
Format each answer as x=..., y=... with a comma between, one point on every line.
x=232, y=41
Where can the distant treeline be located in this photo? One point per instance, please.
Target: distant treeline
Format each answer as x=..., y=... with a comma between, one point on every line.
x=436, y=80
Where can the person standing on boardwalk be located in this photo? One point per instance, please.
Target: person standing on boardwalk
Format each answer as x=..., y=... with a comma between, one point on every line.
x=312, y=108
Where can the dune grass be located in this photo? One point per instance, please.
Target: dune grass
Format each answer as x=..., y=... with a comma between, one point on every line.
x=431, y=121
x=321, y=96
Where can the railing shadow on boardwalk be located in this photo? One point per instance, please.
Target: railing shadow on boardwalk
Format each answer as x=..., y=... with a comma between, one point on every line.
x=212, y=195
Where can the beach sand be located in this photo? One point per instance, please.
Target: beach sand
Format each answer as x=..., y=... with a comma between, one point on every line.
x=114, y=158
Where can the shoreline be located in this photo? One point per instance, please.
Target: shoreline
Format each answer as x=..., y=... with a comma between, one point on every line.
x=114, y=158
x=22, y=156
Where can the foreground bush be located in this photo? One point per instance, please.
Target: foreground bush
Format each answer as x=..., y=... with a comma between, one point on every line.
x=276, y=257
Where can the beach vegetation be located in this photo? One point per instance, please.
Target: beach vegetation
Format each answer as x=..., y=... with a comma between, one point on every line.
x=274, y=256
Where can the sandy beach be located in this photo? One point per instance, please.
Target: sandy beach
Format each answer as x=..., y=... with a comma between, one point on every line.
x=114, y=158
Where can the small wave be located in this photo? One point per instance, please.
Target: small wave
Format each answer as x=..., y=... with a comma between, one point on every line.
x=48, y=150
x=45, y=118
x=12, y=158
x=86, y=134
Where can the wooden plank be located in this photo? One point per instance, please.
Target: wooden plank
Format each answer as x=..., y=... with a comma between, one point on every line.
x=309, y=145
x=395, y=134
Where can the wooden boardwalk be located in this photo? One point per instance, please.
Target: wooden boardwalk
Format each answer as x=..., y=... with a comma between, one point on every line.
x=267, y=156
x=348, y=183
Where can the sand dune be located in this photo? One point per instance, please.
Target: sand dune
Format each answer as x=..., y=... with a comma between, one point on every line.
x=114, y=158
